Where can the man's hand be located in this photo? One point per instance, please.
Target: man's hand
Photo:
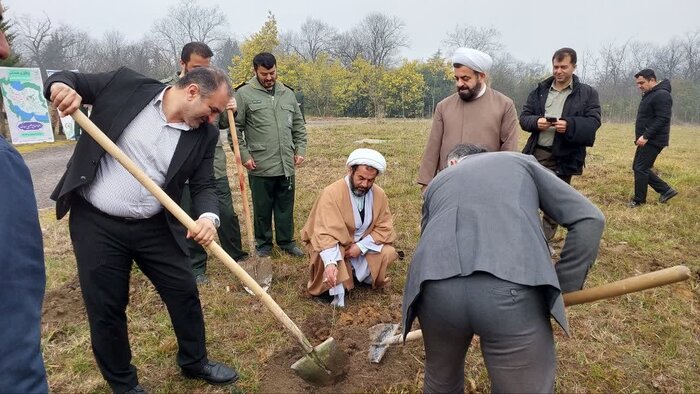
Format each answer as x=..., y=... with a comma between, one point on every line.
x=64, y=98
x=560, y=126
x=250, y=164
x=298, y=160
x=204, y=232
x=542, y=124
x=330, y=274
x=232, y=105
x=641, y=141
x=353, y=251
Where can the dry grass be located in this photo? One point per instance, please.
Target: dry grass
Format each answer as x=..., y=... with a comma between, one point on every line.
x=643, y=342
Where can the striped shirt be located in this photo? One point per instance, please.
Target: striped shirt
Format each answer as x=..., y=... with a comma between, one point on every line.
x=150, y=141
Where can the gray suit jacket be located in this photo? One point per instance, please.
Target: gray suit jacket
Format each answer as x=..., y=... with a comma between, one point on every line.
x=483, y=215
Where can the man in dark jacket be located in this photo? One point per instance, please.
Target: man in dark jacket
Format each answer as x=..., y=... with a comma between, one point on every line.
x=562, y=115
x=114, y=220
x=651, y=130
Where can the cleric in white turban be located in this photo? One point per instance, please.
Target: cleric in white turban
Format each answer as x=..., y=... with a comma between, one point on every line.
x=475, y=114
x=472, y=58
x=349, y=232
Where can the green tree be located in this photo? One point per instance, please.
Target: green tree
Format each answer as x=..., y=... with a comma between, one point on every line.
x=265, y=40
x=13, y=60
x=437, y=74
x=403, y=89
x=363, y=92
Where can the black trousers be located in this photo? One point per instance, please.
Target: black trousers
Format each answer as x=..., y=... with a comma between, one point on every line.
x=229, y=231
x=644, y=159
x=273, y=195
x=544, y=157
x=105, y=247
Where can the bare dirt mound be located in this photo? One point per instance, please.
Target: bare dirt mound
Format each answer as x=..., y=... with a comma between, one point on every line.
x=349, y=327
x=64, y=305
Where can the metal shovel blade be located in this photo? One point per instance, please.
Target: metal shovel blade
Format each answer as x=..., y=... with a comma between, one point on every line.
x=260, y=269
x=325, y=365
x=378, y=334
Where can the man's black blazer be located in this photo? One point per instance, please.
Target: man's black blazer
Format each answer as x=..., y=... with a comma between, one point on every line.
x=116, y=98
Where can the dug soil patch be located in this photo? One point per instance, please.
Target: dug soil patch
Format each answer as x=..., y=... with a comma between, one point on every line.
x=349, y=327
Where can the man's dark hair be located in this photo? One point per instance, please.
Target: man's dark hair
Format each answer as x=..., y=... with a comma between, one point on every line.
x=207, y=78
x=264, y=59
x=560, y=54
x=195, y=47
x=647, y=74
x=462, y=150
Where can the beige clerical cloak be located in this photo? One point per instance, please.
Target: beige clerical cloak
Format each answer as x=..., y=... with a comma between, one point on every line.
x=332, y=221
x=490, y=121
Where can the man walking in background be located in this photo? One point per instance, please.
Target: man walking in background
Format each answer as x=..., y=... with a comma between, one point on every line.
x=562, y=116
x=273, y=142
x=651, y=130
x=194, y=55
x=476, y=114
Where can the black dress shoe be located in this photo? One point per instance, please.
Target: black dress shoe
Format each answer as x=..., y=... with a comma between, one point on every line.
x=294, y=251
x=264, y=252
x=213, y=373
x=668, y=195
x=136, y=390
x=635, y=204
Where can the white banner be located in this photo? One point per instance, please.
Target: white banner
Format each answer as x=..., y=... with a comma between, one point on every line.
x=26, y=108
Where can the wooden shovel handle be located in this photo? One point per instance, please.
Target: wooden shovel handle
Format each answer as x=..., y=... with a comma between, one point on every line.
x=649, y=280
x=630, y=285
x=241, y=180
x=187, y=221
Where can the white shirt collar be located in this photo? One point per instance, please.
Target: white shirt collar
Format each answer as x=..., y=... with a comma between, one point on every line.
x=158, y=103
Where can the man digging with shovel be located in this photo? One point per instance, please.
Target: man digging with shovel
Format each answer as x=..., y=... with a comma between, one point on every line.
x=114, y=220
x=482, y=267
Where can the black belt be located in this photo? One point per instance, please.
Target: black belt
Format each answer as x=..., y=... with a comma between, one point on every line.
x=547, y=148
x=83, y=203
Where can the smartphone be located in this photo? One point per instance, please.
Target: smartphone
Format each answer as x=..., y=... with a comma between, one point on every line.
x=551, y=119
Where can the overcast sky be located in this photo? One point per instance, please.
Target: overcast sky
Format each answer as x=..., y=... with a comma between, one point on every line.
x=530, y=30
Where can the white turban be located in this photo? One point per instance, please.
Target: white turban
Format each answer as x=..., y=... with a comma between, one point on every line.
x=474, y=59
x=367, y=157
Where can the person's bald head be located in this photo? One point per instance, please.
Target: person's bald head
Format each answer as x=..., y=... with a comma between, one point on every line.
x=4, y=46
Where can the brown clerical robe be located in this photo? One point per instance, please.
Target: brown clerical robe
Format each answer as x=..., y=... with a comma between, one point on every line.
x=490, y=121
x=332, y=221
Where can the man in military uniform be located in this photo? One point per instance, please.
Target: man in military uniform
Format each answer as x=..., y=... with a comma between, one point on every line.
x=272, y=135
x=198, y=54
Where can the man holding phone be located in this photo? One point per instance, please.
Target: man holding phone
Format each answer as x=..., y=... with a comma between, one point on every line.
x=562, y=114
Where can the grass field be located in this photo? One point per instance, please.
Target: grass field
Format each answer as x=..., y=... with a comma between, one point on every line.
x=643, y=342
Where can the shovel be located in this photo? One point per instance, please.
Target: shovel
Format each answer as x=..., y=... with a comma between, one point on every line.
x=384, y=335
x=260, y=268
x=321, y=365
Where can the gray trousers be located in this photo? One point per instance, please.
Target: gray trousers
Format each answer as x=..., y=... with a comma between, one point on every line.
x=512, y=322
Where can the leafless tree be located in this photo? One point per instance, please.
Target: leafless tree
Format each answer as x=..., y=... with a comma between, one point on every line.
x=315, y=37
x=691, y=53
x=188, y=21
x=47, y=47
x=483, y=38
x=381, y=37
x=347, y=47
x=669, y=58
